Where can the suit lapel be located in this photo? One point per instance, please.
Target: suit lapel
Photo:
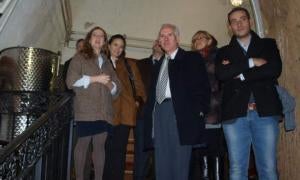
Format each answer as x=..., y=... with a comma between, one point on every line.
x=156, y=69
x=237, y=51
x=255, y=45
x=178, y=58
x=104, y=63
x=174, y=66
x=254, y=48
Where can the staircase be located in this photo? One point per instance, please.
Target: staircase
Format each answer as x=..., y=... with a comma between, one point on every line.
x=129, y=157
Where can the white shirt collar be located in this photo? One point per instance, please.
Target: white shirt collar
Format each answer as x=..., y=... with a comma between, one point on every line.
x=100, y=60
x=245, y=46
x=114, y=62
x=173, y=54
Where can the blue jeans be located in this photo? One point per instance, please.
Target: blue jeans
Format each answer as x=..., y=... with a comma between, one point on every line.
x=260, y=132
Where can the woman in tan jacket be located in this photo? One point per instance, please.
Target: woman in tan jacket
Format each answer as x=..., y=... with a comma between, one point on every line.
x=95, y=84
x=125, y=106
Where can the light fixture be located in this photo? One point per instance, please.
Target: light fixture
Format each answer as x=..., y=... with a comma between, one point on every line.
x=236, y=2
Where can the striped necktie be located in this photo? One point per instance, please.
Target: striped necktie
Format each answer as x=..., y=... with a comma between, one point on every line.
x=162, y=81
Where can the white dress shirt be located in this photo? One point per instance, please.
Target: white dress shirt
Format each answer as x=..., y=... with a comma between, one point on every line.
x=250, y=60
x=168, y=91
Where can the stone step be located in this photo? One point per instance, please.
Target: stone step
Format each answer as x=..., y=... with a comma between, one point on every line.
x=130, y=155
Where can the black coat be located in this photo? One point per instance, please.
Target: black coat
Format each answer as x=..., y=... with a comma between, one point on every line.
x=147, y=68
x=260, y=81
x=190, y=93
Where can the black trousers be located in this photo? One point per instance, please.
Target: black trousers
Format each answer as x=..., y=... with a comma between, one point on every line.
x=115, y=151
x=143, y=160
x=207, y=163
x=206, y=167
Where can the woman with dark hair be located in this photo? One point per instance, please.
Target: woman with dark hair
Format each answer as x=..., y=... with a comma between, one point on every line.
x=210, y=155
x=95, y=83
x=126, y=107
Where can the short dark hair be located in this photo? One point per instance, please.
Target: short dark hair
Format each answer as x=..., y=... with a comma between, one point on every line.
x=238, y=9
x=78, y=41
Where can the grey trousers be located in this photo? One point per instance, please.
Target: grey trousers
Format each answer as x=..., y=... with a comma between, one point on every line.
x=171, y=158
x=98, y=155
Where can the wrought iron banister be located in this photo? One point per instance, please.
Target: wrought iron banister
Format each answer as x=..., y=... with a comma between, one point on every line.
x=46, y=139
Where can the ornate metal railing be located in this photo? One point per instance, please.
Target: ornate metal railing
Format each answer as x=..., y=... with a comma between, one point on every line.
x=41, y=150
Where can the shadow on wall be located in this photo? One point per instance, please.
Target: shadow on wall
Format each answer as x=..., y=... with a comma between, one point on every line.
x=8, y=73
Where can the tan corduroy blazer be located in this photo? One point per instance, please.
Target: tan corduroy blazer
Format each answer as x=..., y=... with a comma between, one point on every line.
x=95, y=101
x=125, y=105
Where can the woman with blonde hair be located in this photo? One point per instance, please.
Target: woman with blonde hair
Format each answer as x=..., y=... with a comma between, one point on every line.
x=210, y=154
x=95, y=83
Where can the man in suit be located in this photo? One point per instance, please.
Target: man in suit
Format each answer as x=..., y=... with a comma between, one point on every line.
x=249, y=67
x=177, y=104
x=143, y=160
x=79, y=47
x=146, y=65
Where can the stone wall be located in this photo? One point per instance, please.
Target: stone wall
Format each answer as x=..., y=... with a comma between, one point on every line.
x=35, y=23
x=141, y=20
x=282, y=22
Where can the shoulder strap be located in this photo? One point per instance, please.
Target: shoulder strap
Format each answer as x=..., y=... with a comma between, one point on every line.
x=131, y=77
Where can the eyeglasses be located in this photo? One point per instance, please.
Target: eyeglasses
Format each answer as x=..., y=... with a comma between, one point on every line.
x=201, y=38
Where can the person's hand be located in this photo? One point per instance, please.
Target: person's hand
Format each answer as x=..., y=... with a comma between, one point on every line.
x=259, y=62
x=237, y=77
x=139, y=101
x=102, y=78
x=225, y=61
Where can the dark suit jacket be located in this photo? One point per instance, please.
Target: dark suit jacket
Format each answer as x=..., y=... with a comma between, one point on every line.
x=260, y=81
x=190, y=93
x=147, y=69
